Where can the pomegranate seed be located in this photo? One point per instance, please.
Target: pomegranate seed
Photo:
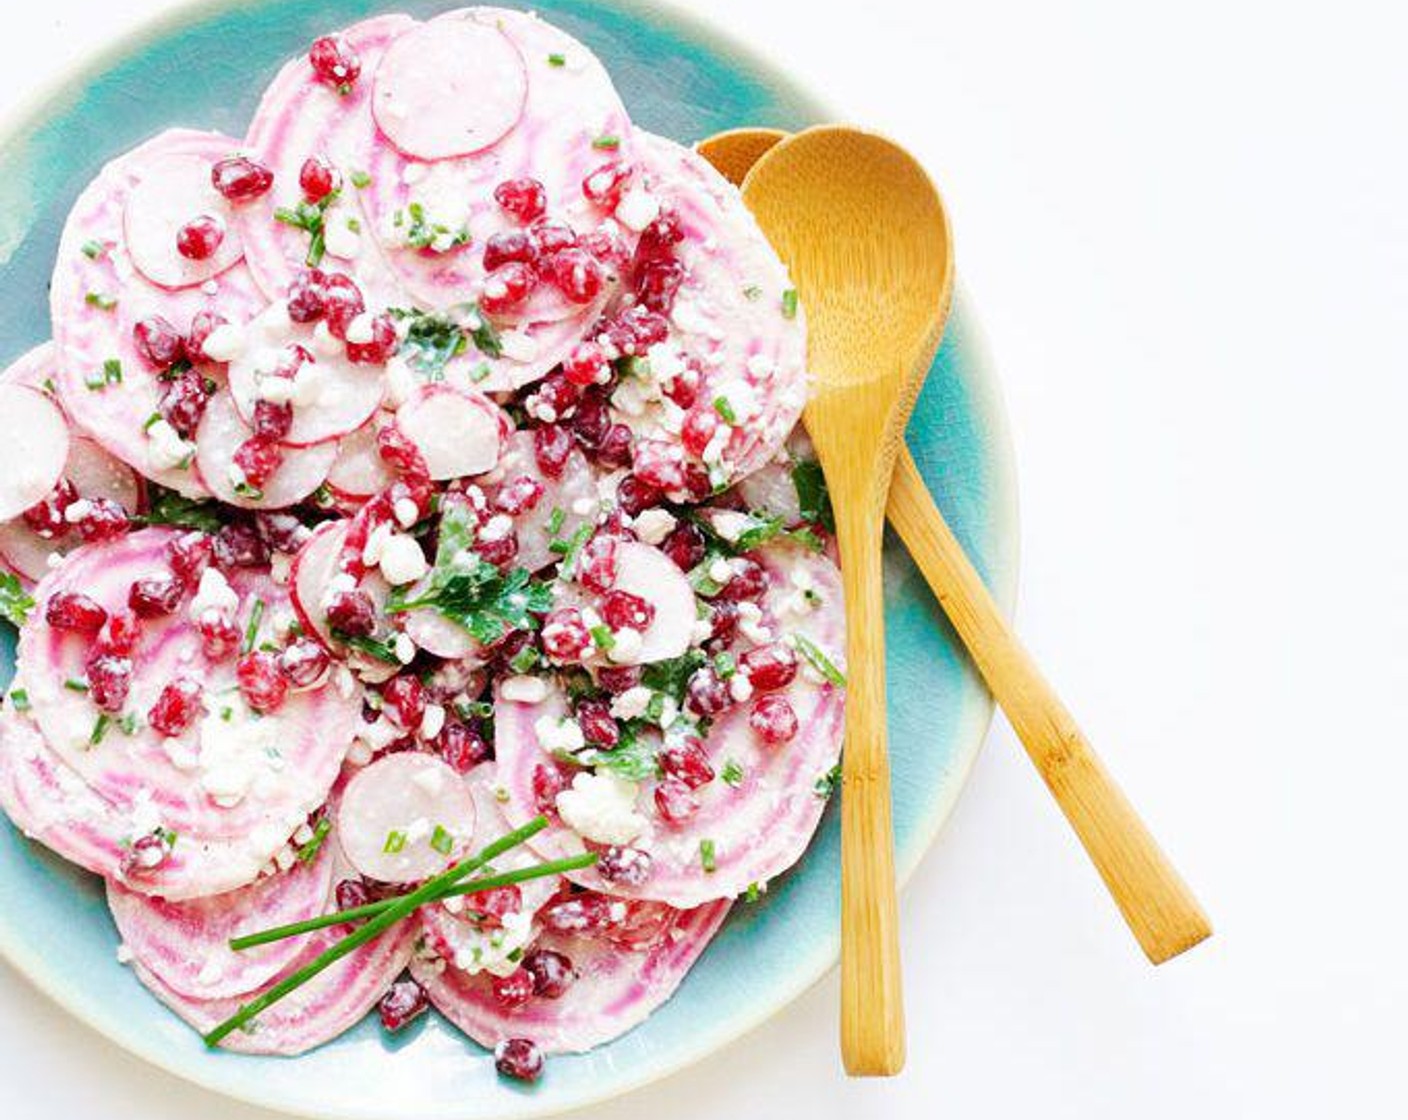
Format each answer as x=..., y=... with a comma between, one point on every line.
x=773, y=718
x=769, y=667
x=155, y=596
x=587, y=365
x=318, y=178
x=592, y=420
x=635, y=494
x=657, y=285
x=200, y=238
x=272, y=420
x=219, y=636
x=687, y=761
x=551, y=236
x=582, y=913
x=493, y=905
x=617, y=679
x=378, y=349
x=399, y=453
x=176, y=707
x=552, y=972
x=675, y=801
x=403, y=1002
x=658, y=239
x=548, y=782
x=352, y=613
x=555, y=395
x=119, y=635
x=627, y=867
x=525, y=199
x=577, y=275
x=109, y=680
x=188, y=556
x=566, y=639
x=622, y=611
x=258, y=458
x=47, y=517
x=351, y=893
x=683, y=388
x=307, y=296
x=146, y=854
x=510, y=246
x=552, y=447
x=606, y=244
x=723, y=620
x=237, y=545
x=105, y=520
x=706, y=694
x=698, y=429
x=281, y=532
x=202, y=324
x=617, y=450
x=304, y=662
x=500, y=552
x=685, y=545
x=749, y=581
x=335, y=62
x=507, y=287
x=515, y=989
x=403, y=700
x=239, y=178
x=598, y=728
x=636, y=329
x=659, y=464
x=596, y=566
x=462, y=747
x=74, y=611
x=261, y=683
x=604, y=185
x=518, y=496
x=342, y=302
x=183, y=403
x=158, y=342
x=645, y=923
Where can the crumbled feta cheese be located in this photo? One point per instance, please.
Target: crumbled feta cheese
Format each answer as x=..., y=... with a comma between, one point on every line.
x=225, y=343
x=433, y=722
x=402, y=560
x=430, y=779
x=213, y=593
x=77, y=511
x=654, y=525
x=124, y=954
x=730, y=524
x=325, y=343
x=401, y=382
x=518, y=346
x=714, y=450
x=601, y=807
x=166, y=450
x=750, y=623
x=632, y=703
x=627, y=645
x=496, y=528
x=376, y=544
x=404, y=648
x=637, y=208
x=360, y=331
x=406, y=512
x=341, y=240
x=524, y=689
x=559, y=733
x=720, y=571
x=740, y=688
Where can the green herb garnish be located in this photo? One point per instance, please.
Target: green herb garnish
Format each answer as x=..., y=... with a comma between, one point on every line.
x=789, y=303
x=812, y=495
x=94, y=250
x=360, y=179
x=431, y=342
x=15, y=601
x=436, y=236
x=825, y=785
x=309, y=851
x=732, y=773
x=251, y=631
x=557, y=60
x=101, y=300
x=19, y=699
x=725, y=410
x=442, y=840
x=73, y=684
x=707, y=855
x=818, y=660
x=311, y=218
x=100, y=728
x=167, y=507
x=395, y=842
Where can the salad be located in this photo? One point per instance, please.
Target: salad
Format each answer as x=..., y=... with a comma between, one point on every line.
x=425, y=595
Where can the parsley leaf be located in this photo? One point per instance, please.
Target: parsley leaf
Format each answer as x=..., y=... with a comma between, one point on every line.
x=166, y=507
x=811, y=493
x=432, y=340
x=825, y=785
x=671, y=677
x=15, y=602
x=633, y=759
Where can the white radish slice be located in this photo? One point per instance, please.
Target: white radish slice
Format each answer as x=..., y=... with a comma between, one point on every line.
x=359, y=471
x=332, y=1002
x=220, y=435
x=567, y=109
x=530, y=351
x=405, y=817
x=172, y=191
x=332, y=396
x=615, y=989
x=187, y=944
x=98, y=296
x=574, y=494
x=34, y=450
x=457, y=430
x=449, y=88
x=439, y=637
x=317, y=564
x=643, y=570
x=759, y=827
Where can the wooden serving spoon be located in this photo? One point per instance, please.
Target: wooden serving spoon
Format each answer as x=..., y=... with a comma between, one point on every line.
x=1159, y=908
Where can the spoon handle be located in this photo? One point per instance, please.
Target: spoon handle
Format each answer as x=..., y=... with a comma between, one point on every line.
x=1156, y=903
x=872, y=1003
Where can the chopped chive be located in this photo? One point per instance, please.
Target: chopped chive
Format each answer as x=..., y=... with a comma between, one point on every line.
x=555, y=520
x=227, y=714
x=361, y=180
x=606, y=143
x=732, y=773
x=153, y=419
x=73, y=684
x=603, y=638
x=354, y=225
x=752, y=291
x=524, y=660
x=557, y=60
x=251, y=632
x=100, y=728
x=395, y=842
x=753, y=892
x=789, y=303
x=129, y=723
x=818, y=660
x=112, y=371
x=320, y=833
x=442, y=841
x=825, y=785
x=101, y=300
x=19, y=700
x=93, y=250
x=725, y=410
x=94, y=382
x=725, y=665
x=707, y=855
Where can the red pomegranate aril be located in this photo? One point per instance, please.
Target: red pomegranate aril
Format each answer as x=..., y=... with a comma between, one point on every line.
x=200, y=238
x=273, y=420
x=404, y=1002
x=547, y=782
x=587, y=365
x=552, y=446
x=566, y=638
x=304, y=662
x=687, y=761
x=518, y=495
x=47, y=517
x=581, y=913
x=351, y=893
x=120, y=633
x=183, y=403
x=155, y=596
x=518, y=1058
x=240, y=179
x=657, y=285
x=696, y=482
x=635, y=495
x=607, y=245
x=774, y=719
x=258, y=458
x=769, y=667
x=551, y=237
x=592, y=420
x=636, y=329
x=189, y=554
x=507, y=287
x=109, y=681
x=683, y=388
x=219, y=636
x=685, y=545
x=104, y=520
x=403, y=701
x=352, y=613
x=552, y=972
x=577, y=275
x=158, y=342
x=378, y=349
x=675, y=801
x=659, y=238
x=596, y=566
x=617, y=679
x=261, y=683
x=626, y=867
x=238, y=545
x=723, y=620
x=75, y=612
x=525, y=199
x=500, y=551
x=604, y=185
x=281, y=532
x=617, y=450
x=335, y=62
x=598, y=727
x=462, y=747
x=317, y=178
x=621, y=610
x=342, y=302
x=307, y=297
x=749, y=581
x=706, y=694
x=554, y=393
x=176, y=707
x=509, y=246
x=515, y=989
x=399, y=453
x=700, y=424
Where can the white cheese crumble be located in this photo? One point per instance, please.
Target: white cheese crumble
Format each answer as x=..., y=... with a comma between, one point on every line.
x=360, y=330
x=402, y=560
x=214, y=593
x=433, y=722
x=632, y=703
x=654, y=525
x=558, y=733
x=750, y=623
x=166, y=450
x=730, y=524
x=627, y=645
x=225, y=343
x=637, y=208
x=601, y=807
x=524, y=689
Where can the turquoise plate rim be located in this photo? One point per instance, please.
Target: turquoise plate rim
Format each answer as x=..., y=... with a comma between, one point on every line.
x=994, y=542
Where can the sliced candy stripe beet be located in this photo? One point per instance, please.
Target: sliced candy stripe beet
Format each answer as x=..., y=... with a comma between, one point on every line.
x=759, y=826
x=187, y=944
x=568, y=108
x=302, y=117
x=108, y=387
x=615, y=989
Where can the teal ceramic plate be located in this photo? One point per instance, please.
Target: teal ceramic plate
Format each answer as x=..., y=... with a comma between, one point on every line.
x=204, y=67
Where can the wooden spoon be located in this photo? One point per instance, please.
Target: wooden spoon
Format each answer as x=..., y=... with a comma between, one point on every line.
x=1159, y=908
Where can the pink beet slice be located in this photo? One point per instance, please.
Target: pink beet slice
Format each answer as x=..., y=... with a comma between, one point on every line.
x=106, y=385
x=760, y=826
x=616, y=988
x=301, y=117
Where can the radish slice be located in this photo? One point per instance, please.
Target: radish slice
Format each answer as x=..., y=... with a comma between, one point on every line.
x=530, y=351
x=98, y=296
x=220, y=435
x=644, y=570
x=760, y=826
x=301, y=116
x=405, y=817
x=187, y=944
x=457, y=430
x=317, y=564
x=172, y=191
x=332, y=1002
x=449, y=88
x=359, y=471
x=615, y=989
x=439, y=637
x=34, y=450
x=573, y=495
x=567, y=109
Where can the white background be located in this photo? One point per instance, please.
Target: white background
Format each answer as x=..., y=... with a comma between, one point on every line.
x=1184, y=227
